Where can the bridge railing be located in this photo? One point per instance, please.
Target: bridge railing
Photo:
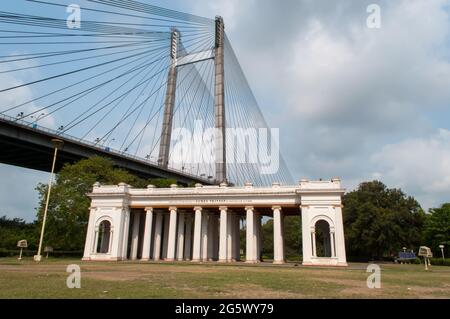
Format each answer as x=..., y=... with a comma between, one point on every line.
x=56, y=133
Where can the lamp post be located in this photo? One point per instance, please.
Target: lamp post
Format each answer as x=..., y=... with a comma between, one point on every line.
x=57, y=143
x=442, y=251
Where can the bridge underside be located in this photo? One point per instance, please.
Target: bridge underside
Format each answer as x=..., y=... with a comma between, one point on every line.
x=24, y=146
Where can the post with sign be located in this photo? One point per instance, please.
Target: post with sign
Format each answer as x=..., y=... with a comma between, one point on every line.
x=22, y=244
x=426, y=253
x=48, y=249
x=442, y=251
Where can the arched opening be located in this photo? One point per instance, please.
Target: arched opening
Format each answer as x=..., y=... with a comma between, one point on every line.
x=323, y=238
x=104, y=234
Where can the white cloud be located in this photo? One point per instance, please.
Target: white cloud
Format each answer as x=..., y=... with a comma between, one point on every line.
x=349, y=101
x=339, y=90
x=420, y=166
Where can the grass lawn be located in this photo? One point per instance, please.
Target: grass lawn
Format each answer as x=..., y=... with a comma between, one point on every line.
x=27, y=279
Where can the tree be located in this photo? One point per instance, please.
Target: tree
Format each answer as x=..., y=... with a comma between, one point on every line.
x=379, y=221
x=292, y=237
x=68, y=210
x=437, y=229
x=13, y=230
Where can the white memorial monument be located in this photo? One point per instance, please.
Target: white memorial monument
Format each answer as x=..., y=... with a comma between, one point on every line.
x=203, y=223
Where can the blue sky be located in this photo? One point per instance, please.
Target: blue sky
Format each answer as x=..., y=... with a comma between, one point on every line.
x=350, y=101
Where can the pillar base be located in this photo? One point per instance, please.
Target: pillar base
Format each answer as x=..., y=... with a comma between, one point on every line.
x=279, y=262
x=144, y=259
x=195, y=260
x=223, y=260
x=169, y=259
x=251, y=261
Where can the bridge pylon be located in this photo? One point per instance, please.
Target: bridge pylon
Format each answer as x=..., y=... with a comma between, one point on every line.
x=219, y=98
x=166, y=132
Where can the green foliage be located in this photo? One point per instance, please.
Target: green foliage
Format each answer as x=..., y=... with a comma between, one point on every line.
x=161, y=182
x=267, y=238
x=439, y=261
x=69, y=206
x=292, y=237
x=13, y=230
x=379, y=221
x=437, y=229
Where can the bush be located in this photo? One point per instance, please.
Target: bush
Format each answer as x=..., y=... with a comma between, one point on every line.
x=440, y=261
x=31, y=253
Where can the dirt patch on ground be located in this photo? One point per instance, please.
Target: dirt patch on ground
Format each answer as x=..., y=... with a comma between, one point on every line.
x=113, y=275
x=252, y=291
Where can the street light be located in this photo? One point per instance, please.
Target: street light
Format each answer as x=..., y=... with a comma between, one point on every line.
x=442, y=250
x=57, y=143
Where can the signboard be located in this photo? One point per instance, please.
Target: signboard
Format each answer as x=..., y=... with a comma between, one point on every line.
x=48, y=249
x=406, y=255
x=425, y=251
x=22, y=243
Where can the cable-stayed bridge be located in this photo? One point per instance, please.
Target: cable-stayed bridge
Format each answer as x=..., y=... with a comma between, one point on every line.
x=160, y=92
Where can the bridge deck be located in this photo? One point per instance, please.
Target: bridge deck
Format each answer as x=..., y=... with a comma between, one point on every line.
x=26, y=145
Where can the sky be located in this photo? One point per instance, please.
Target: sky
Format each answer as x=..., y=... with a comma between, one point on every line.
x=350, y=101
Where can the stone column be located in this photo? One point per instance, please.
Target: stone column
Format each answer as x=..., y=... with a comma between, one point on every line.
x=180, y=244
x=250, y=230
x=223, y=234
x=260, y=239
x=95, y=239
x=125, y=231
x=147, y=233
x=211, y=242
x=171, y=243
x=90, y=236
x=135, y=236
x=230, y=237
x=332, y=239
x=339, y=236
x=165, y=239
x=188, y=237
x=257, y=236
x=157, y=237
x=216, y=237
x=313, y=239
x=278, y=249
x=204, y=248
x=237, y=239
x=306, y=235
x=196, y=254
